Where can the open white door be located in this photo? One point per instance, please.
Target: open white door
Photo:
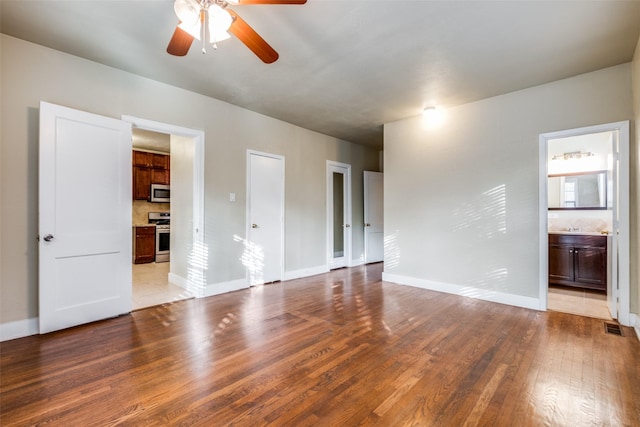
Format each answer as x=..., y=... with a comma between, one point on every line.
x=85, y=217
x=265, y=218
x=619, y=298
x=338, y=214
x=612, y=262
x=373, y=217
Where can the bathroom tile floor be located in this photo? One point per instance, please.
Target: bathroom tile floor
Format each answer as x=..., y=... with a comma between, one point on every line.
x=151, y=286
x=584, y=302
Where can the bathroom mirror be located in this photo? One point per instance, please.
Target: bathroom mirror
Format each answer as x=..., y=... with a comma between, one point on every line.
x=585, y=190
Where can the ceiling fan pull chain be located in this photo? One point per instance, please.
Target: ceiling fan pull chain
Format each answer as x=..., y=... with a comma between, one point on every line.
x=203, y=29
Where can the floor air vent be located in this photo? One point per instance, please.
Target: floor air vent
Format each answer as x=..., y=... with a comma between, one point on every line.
x=612, y=328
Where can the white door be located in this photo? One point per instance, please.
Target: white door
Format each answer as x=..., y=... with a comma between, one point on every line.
x=265, y=218
x=338, y=214
x=84, y=217
x=618, y=286
x=612, y=262
x=373, y=217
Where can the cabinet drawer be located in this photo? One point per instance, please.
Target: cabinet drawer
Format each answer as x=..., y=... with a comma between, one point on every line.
x=578, y=240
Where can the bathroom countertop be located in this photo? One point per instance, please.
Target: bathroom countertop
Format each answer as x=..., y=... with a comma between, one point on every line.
x=580, y=233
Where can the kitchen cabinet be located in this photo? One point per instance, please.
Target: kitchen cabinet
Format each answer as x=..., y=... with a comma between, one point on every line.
x=141, y=183
x=149, y=168
x=144, y=244
x=578, y=261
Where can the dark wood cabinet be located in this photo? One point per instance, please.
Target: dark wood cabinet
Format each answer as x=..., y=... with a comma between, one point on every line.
x=578, y=260
x=149, y=168
x=144, y=244
x=160, y=176
x=141, y=183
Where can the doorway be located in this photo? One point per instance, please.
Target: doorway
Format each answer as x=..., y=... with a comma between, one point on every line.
x=598, y=157
x=338, y=215
x=183, y=275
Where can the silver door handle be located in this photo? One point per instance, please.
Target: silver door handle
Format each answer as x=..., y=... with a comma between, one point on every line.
x=48, y=238
x=347, y=225
x=254, y=225
x=367, y=225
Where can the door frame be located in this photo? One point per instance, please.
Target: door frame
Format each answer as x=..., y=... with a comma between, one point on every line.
x=248, y=207
x=196, y=280
x=623, y=267
x=331, y=166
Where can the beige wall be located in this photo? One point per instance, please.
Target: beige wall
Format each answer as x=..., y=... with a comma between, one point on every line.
x=469, y=189
x=31, y=73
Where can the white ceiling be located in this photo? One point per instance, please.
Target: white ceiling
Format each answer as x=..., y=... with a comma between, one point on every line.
x=347, y=67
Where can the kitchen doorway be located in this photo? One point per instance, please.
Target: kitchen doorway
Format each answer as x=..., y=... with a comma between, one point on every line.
x=181, y=276
x=600, y=153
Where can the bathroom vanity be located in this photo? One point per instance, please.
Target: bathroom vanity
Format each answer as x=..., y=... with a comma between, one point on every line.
x=578, y=260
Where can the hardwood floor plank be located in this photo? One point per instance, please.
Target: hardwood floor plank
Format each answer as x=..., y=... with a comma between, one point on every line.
x=342, y=348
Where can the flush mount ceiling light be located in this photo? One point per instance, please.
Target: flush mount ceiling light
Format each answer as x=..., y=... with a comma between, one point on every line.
x=433, y=116
x=199, y=18
x=572, y=155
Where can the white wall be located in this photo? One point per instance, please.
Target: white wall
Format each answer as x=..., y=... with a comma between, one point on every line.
x=31, y=73
x=635, y=189
x=469, y=189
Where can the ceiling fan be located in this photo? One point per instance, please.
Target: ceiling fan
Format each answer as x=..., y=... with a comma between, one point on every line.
x=213, y=17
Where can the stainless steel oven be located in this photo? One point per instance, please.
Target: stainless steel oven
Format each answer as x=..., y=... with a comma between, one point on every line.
x=162, y=221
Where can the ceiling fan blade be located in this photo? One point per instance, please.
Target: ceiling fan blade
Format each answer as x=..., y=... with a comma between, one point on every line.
x=241, y=2
x=180, y=42
x=251, y=39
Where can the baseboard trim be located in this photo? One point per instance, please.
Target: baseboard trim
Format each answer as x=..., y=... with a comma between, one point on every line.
x=184, y=283
x=635, y=323
x=19, y=329
x=356, y=262
x=224, y=287
x=305, y=272
x=465, y=291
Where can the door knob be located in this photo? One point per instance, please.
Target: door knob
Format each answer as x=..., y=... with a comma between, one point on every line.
x=254, y=225
x=367, y=225
x=48, y=238
x=347, y=225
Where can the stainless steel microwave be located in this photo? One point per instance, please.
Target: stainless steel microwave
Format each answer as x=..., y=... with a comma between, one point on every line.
x=160, y=193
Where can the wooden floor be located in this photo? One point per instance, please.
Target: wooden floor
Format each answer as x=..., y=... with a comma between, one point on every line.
x=340, y=349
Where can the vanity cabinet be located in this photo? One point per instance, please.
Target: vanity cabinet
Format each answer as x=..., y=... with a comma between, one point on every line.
x=578, y=260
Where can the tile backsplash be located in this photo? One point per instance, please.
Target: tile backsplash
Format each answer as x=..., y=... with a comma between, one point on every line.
x=140, y=210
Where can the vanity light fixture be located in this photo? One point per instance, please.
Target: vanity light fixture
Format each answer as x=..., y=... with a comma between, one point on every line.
x=573, y=155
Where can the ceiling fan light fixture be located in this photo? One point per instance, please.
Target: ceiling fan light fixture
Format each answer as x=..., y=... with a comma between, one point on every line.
x=188, y=11
x=193, y=30
x=219, y=22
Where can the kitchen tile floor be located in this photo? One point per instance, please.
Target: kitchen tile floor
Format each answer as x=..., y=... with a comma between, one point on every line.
x=583, y=302
x=151, y=286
